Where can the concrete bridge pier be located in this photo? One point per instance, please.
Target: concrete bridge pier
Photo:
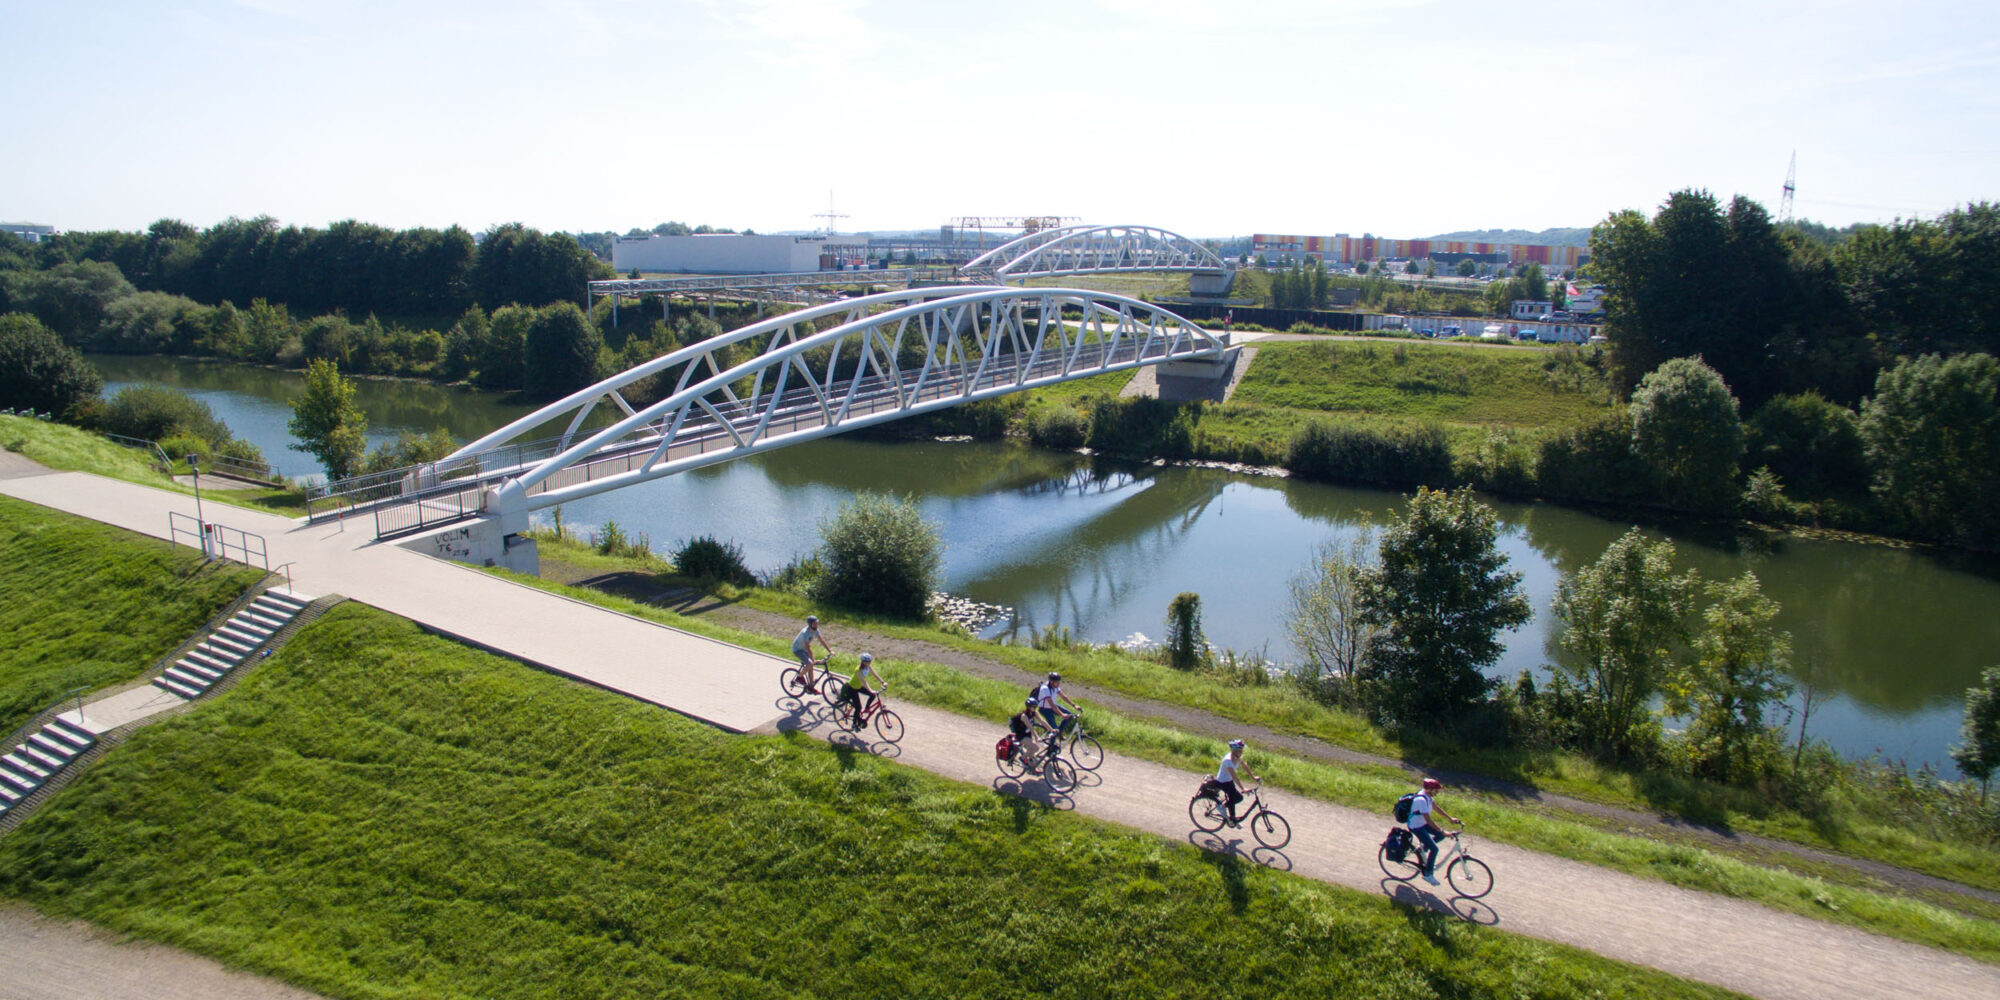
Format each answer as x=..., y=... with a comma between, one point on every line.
x=496, y=538
x=1204, y=379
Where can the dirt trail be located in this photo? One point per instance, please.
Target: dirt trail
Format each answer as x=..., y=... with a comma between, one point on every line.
x=1762, y=849
x=1736, y=945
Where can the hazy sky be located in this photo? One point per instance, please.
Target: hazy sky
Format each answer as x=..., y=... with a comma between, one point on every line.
x=1402, y=118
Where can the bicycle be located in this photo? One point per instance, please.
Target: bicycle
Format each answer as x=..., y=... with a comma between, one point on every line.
x=789, y=679
x=888, y=724
x=1083, y=748
x=1046, y=761
x=1208, y=813
x=1469, y=876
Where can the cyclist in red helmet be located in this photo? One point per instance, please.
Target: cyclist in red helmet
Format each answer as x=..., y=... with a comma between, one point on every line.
x=1426, y=831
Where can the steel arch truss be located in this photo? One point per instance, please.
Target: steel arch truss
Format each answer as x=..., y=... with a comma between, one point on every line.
x=1094, y=250
x=785, y=380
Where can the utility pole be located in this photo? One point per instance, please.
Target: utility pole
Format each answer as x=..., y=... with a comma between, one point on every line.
x=1791, y=186
x=829, y=215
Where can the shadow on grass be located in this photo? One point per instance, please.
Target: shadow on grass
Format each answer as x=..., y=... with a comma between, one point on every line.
x=1230, y=868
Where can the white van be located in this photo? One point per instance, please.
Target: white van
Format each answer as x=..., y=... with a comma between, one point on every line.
x=1493, y=332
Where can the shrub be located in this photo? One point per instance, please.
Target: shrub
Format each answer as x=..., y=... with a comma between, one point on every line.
x=179, y=446
x=880, y=556
x=1058, y=427
x=153, y=412
x=1184, y=639
x=39, y=372
x=1143, y=426
x=1593, y=462
x=710, y=558
x=1808, y=442
x=1403, y=456
x=1502, y=462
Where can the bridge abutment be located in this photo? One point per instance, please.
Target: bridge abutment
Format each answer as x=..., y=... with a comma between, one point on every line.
x=496, y=539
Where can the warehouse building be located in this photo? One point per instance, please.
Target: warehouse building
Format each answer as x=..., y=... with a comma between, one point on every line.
x=733, y=253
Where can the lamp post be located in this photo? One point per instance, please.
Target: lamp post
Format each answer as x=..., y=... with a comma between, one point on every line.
x=200, y=524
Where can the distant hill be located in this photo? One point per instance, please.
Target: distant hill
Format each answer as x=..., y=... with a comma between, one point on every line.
x=1547, y=237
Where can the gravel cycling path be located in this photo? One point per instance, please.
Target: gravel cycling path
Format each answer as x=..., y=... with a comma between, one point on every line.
x=1736, y=945
x=851, y=640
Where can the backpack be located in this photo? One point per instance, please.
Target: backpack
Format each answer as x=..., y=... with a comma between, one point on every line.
x=1402, y=809
x=1005, y=748
x=1035, y=693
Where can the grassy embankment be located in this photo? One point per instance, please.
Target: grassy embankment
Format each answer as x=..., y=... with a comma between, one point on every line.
x=86, y=605
x=1832, y=893
x=60, y=446
x=376, y=812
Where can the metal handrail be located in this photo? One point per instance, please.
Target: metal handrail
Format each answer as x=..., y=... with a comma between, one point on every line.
x=40, y=719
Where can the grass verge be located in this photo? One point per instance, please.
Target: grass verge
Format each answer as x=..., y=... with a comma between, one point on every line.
x=86, y=605
x=376, y=812
x=60, y=446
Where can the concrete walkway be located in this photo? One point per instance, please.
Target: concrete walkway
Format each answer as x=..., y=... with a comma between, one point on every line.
x=1695, y=935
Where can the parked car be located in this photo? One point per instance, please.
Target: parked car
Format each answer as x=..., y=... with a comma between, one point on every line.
x=1453, y=330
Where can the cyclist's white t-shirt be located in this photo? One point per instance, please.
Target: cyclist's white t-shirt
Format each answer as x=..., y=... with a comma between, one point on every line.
x=1046, y=696
x=1420, y=811
x=1226, y=771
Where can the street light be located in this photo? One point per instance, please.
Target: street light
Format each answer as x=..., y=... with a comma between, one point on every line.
x=200, y=525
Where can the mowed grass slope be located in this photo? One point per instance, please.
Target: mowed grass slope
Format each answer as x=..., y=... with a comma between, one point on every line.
x=86, y=605
x=1450, y=383
x=377, y=812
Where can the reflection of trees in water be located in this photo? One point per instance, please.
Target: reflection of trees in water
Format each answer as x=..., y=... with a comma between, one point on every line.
x=930, y=469
x=1091, y=570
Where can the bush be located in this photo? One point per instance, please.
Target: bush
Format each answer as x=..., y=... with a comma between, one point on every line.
x=1403, y=456
x=179, y=446
x=1184, y=639
x=153, y=412
x=1143, y=426
x=709, y=558
x=1502, y=463
x=1593, y=462
x=1058, y=427
x=39, y=372
x=880, y=557
x=1810, y=443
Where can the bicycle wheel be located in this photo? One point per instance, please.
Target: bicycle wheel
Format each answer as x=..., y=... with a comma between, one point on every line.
x=841, y=713
x=830, y=686
x=1206, y=813
x=1059, y=774
x=1016, y=765
x=889, y=725
x=789, y=680
x=1271, y=829
x=1402, y=871
x=1469, y=877
x=1087, y=752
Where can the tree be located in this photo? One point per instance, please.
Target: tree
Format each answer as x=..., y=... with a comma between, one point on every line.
x=1932, y=435
x=1625, y=617
x=1978, y=750
x=1184, y=639
x=880, y=556
x=408, y=449
x=327, y=423
x=1684, y=425
x=1440, y=597
x=39, y=372
x=1809, y=442
x=1737, y=673
x=1467, y=268
x=1323, y=613
x=560, y=355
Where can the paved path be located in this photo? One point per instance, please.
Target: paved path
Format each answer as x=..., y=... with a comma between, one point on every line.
x=1695, y=935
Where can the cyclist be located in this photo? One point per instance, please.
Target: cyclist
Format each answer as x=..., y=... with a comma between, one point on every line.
x=857, y=687
x=1225, y=779
x=1426, y=831
x=1023, y=725
x=1053, y=715
x=802, y=648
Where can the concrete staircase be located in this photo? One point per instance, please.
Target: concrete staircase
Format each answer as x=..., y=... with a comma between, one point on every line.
x=229, y=646
x=31, y=765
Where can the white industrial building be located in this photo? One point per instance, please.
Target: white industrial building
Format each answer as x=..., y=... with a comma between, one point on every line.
x=730, y=253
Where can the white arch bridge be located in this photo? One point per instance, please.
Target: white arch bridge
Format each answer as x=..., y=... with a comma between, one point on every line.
x=782, y=381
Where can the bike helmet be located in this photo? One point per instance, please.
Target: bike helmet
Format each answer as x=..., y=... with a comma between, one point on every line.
x=1031, y=703
x=1235, y=744
x=812, y=619
x=1055, y=678
x=1432, y=784
x=868, y=657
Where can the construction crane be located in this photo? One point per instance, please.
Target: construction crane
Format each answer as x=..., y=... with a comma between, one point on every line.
x=1003, y=223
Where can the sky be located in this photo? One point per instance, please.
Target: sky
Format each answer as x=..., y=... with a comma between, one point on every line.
x=1398, y=118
